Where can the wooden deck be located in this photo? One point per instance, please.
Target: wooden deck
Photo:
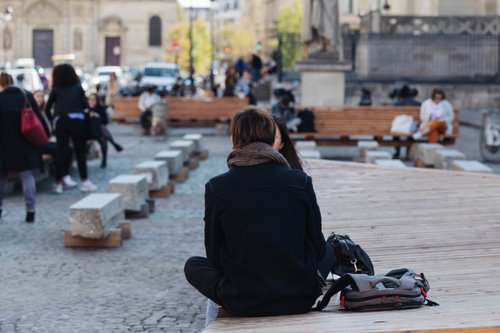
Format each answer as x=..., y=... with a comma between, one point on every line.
x=445, y=224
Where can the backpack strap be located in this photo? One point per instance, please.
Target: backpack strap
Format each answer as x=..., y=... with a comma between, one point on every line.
x=338, y=285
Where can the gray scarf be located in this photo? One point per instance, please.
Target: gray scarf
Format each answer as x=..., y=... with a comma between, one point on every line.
x=254, y=154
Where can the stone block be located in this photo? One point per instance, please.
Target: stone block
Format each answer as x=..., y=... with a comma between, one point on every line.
x=96, y=215
x=424, y=153
x=372, y=156
x=197, y=139
x=390, y=163
x=310, y=154
x=186, y=146
x=173, y=158
x=306, y=145
x=156, y=173
x=470, y=166
x=444, y=158
x=364, y=146
x=133, y=188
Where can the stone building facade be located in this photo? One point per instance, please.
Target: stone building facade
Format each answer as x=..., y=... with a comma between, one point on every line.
x=95, y=32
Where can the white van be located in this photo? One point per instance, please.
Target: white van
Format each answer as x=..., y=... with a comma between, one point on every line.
x=162, y=75
x=26, y=78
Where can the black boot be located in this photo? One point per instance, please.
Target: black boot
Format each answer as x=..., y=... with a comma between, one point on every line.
x=30, y=217
x=118, y=148
x=0, y=213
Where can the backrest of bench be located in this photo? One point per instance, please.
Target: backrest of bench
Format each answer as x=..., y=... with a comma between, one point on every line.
x=185, y=108
x=363, y=120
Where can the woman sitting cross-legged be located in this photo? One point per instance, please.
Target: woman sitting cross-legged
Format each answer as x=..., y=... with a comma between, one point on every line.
x=266, y=254
x=436, y=115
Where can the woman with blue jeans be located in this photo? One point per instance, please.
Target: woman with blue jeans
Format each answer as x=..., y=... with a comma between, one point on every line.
x=17, y=155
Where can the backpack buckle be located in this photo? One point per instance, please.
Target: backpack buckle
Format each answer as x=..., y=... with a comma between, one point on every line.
x=354, y=262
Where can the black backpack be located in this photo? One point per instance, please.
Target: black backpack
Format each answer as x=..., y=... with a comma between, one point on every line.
x=349, y=256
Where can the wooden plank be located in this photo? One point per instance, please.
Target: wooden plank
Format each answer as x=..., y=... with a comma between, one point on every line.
x=181, y=176
x=142, y=214
x=126, y=230
x=445, y=224
x=164, y=192
x=112, y=241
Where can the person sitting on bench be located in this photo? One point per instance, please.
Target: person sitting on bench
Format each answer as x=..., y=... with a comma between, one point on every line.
x=266, y=254
x=146, y=102
x=436, y=115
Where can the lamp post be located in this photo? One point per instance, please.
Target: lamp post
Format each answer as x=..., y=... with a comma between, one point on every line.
x=191, y=64
x=6, y=15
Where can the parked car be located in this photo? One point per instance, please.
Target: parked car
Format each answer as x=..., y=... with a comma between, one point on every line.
x=26, y=78
x=102, y=74
x=161, y=75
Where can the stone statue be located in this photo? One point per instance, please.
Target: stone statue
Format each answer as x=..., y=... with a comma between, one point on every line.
x=321, y=29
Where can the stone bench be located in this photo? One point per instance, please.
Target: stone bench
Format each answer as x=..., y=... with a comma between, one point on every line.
x=390, y=163
x=372, y=155
x=444, y=158
x=96, y=215
x=364, y=146
x=197, y=139
x=173, y=158
x=470, y=166
x=134, y=190
x=186, y=146
x=156, y=173
x=310, y=154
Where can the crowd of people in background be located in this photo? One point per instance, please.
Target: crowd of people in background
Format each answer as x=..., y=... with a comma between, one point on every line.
x=65, y=119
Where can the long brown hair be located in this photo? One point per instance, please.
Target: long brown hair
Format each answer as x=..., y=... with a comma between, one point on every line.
x=288, y=150
x=251, y=125
x=6, y=80
x=64, y=75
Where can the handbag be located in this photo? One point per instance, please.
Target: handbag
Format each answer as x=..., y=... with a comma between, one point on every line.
x=397, y=290
x=349, y=256
x=31, y=127
x=94, y=126
x=402, y=125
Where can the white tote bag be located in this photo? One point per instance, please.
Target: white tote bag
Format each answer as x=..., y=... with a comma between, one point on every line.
x=402, y=125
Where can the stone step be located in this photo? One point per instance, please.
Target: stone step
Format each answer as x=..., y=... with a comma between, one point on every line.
x=197, y=139
x=133, y=188
x=187, y=147
x=443, y=159
x=310, y=154
x=96, y=215
x=156, y=173
x=306, y=145
x=470, y=166
x=364, y=146
x=173, y=158
x=373, y=155
x=390, y=163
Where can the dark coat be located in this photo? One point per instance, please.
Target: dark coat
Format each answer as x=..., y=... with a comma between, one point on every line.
x=16, y=153
x=68, y=99
x=263, y=233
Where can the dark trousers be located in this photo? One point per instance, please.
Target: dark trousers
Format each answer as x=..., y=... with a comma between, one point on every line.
x=146, y=119
x=62, y=163
x=205, y=278
x=74, y=129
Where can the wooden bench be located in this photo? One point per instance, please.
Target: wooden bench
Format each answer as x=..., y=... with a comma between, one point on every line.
x=183, y=111
x=340, y=125
x=446, y=226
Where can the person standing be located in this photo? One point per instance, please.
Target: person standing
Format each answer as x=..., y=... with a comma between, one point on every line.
x=70, y=103
x=112, y=90
x=16, y=153
x=256, y=67
x=266, y=254
x=231, y=81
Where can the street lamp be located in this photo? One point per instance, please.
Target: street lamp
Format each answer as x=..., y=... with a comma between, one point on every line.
x=6, y=15
x=191, y=65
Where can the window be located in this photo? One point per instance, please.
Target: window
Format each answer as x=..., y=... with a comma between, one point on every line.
x=77, y=40
x=155, y=31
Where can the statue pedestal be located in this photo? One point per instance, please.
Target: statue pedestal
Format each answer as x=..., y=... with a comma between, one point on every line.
x=323, y=82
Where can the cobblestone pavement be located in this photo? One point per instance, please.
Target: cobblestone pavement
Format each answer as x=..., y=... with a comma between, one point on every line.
x=137, y=288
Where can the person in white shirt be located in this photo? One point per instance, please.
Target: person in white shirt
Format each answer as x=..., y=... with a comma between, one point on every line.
x=436, y=116
x=146, y=102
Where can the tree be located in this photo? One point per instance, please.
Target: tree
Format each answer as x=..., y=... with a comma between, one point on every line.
x=202, y=48
x=288, y=28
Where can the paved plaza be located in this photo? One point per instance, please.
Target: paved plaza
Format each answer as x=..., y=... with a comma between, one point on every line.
x=137, y=288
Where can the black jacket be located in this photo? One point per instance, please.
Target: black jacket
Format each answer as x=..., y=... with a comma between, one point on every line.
x=16, y=153
x=263, y=233
x=70, y=99
x=101, y=111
